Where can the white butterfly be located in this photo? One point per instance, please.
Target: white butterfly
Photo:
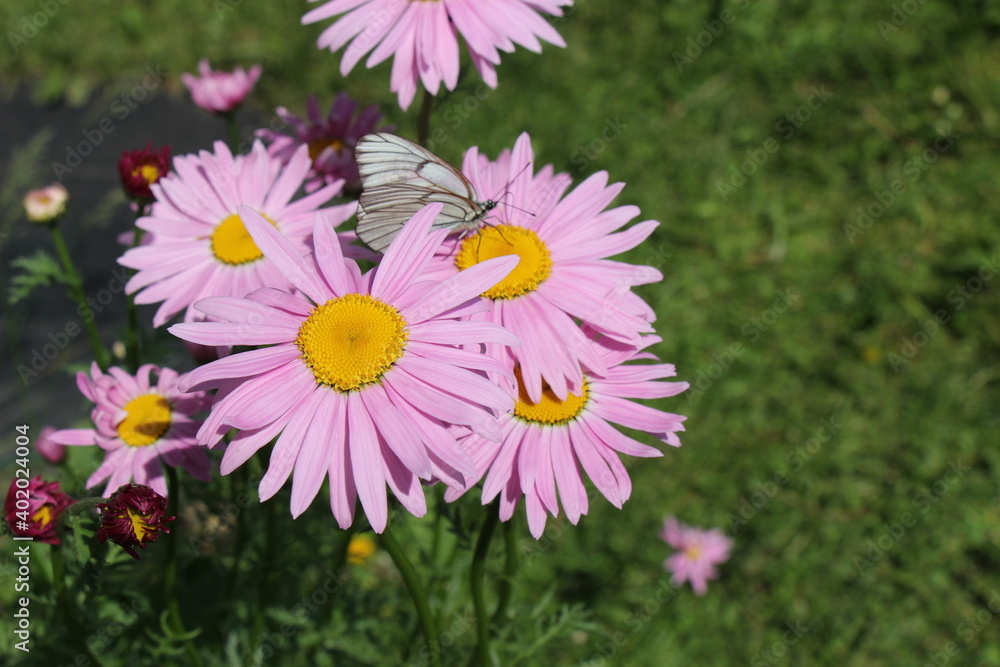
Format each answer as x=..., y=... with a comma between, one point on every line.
x=398, y=178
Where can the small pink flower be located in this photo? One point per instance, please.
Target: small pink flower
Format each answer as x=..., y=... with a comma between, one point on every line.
x=331, y=140
x=51, y=451
x=700, y=551
x=422, y=37
x=141, y=425
x=220, y=92
x=46, y=205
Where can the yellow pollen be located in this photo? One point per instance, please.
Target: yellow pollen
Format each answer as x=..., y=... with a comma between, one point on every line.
x=351, y=341
x=317, y=147
x=549, y=411
x=43, y=516
x=360, y=549
x=693, y=552
x=232, y=243
x=148, y=172
x=489, y=242
x=140, y=526
x=148, y=418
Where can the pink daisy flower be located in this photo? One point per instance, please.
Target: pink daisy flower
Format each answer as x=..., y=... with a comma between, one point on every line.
x=220, y=92
x=563, y=275
x=700, y=551
x=201, y=248
x=140, y=425
x=423, y=36
x=546, y=442
x=331, y=140
x=361, y=375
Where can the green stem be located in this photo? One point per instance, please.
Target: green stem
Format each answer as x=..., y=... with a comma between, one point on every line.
x=170, y=578
x=264, y=589
x=510, y=569
x=477, y=574
x=132, y=324
x=409, y=575
x=424, y=120
x=76, y=291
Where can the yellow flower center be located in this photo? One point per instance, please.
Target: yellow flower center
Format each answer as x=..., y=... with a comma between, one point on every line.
x=140, y=526
x=43, y=516
x=360, y=549
x=549, y=411
x=317, y=147
x=351, y=341
x=148, y=172
x=535, y=263
x=232, y=243
x=693, y=552
x=148, y=418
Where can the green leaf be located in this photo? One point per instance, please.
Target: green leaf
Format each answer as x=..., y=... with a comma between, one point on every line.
x=38, y=270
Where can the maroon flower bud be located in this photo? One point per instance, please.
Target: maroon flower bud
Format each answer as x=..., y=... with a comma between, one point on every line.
x=133, y=516
x=33, y=507
x=140, y=169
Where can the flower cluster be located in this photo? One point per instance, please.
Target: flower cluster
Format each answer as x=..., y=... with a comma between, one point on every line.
x=508, y=355
x=378, y=379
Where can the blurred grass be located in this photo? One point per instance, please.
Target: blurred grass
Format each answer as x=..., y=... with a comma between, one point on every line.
x=829, y=356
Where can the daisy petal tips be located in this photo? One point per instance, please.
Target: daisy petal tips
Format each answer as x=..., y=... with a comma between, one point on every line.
x=358, y=384
x=422, y=37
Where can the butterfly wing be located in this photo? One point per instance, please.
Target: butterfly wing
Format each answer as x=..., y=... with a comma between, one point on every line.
x=398, y=178
x=384, y=209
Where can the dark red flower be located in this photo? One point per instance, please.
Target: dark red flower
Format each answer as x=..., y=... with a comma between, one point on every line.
x=133, y=516
x=140, y=169
x=33, y=507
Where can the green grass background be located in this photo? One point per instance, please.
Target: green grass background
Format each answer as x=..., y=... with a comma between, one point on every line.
x=836, y=354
